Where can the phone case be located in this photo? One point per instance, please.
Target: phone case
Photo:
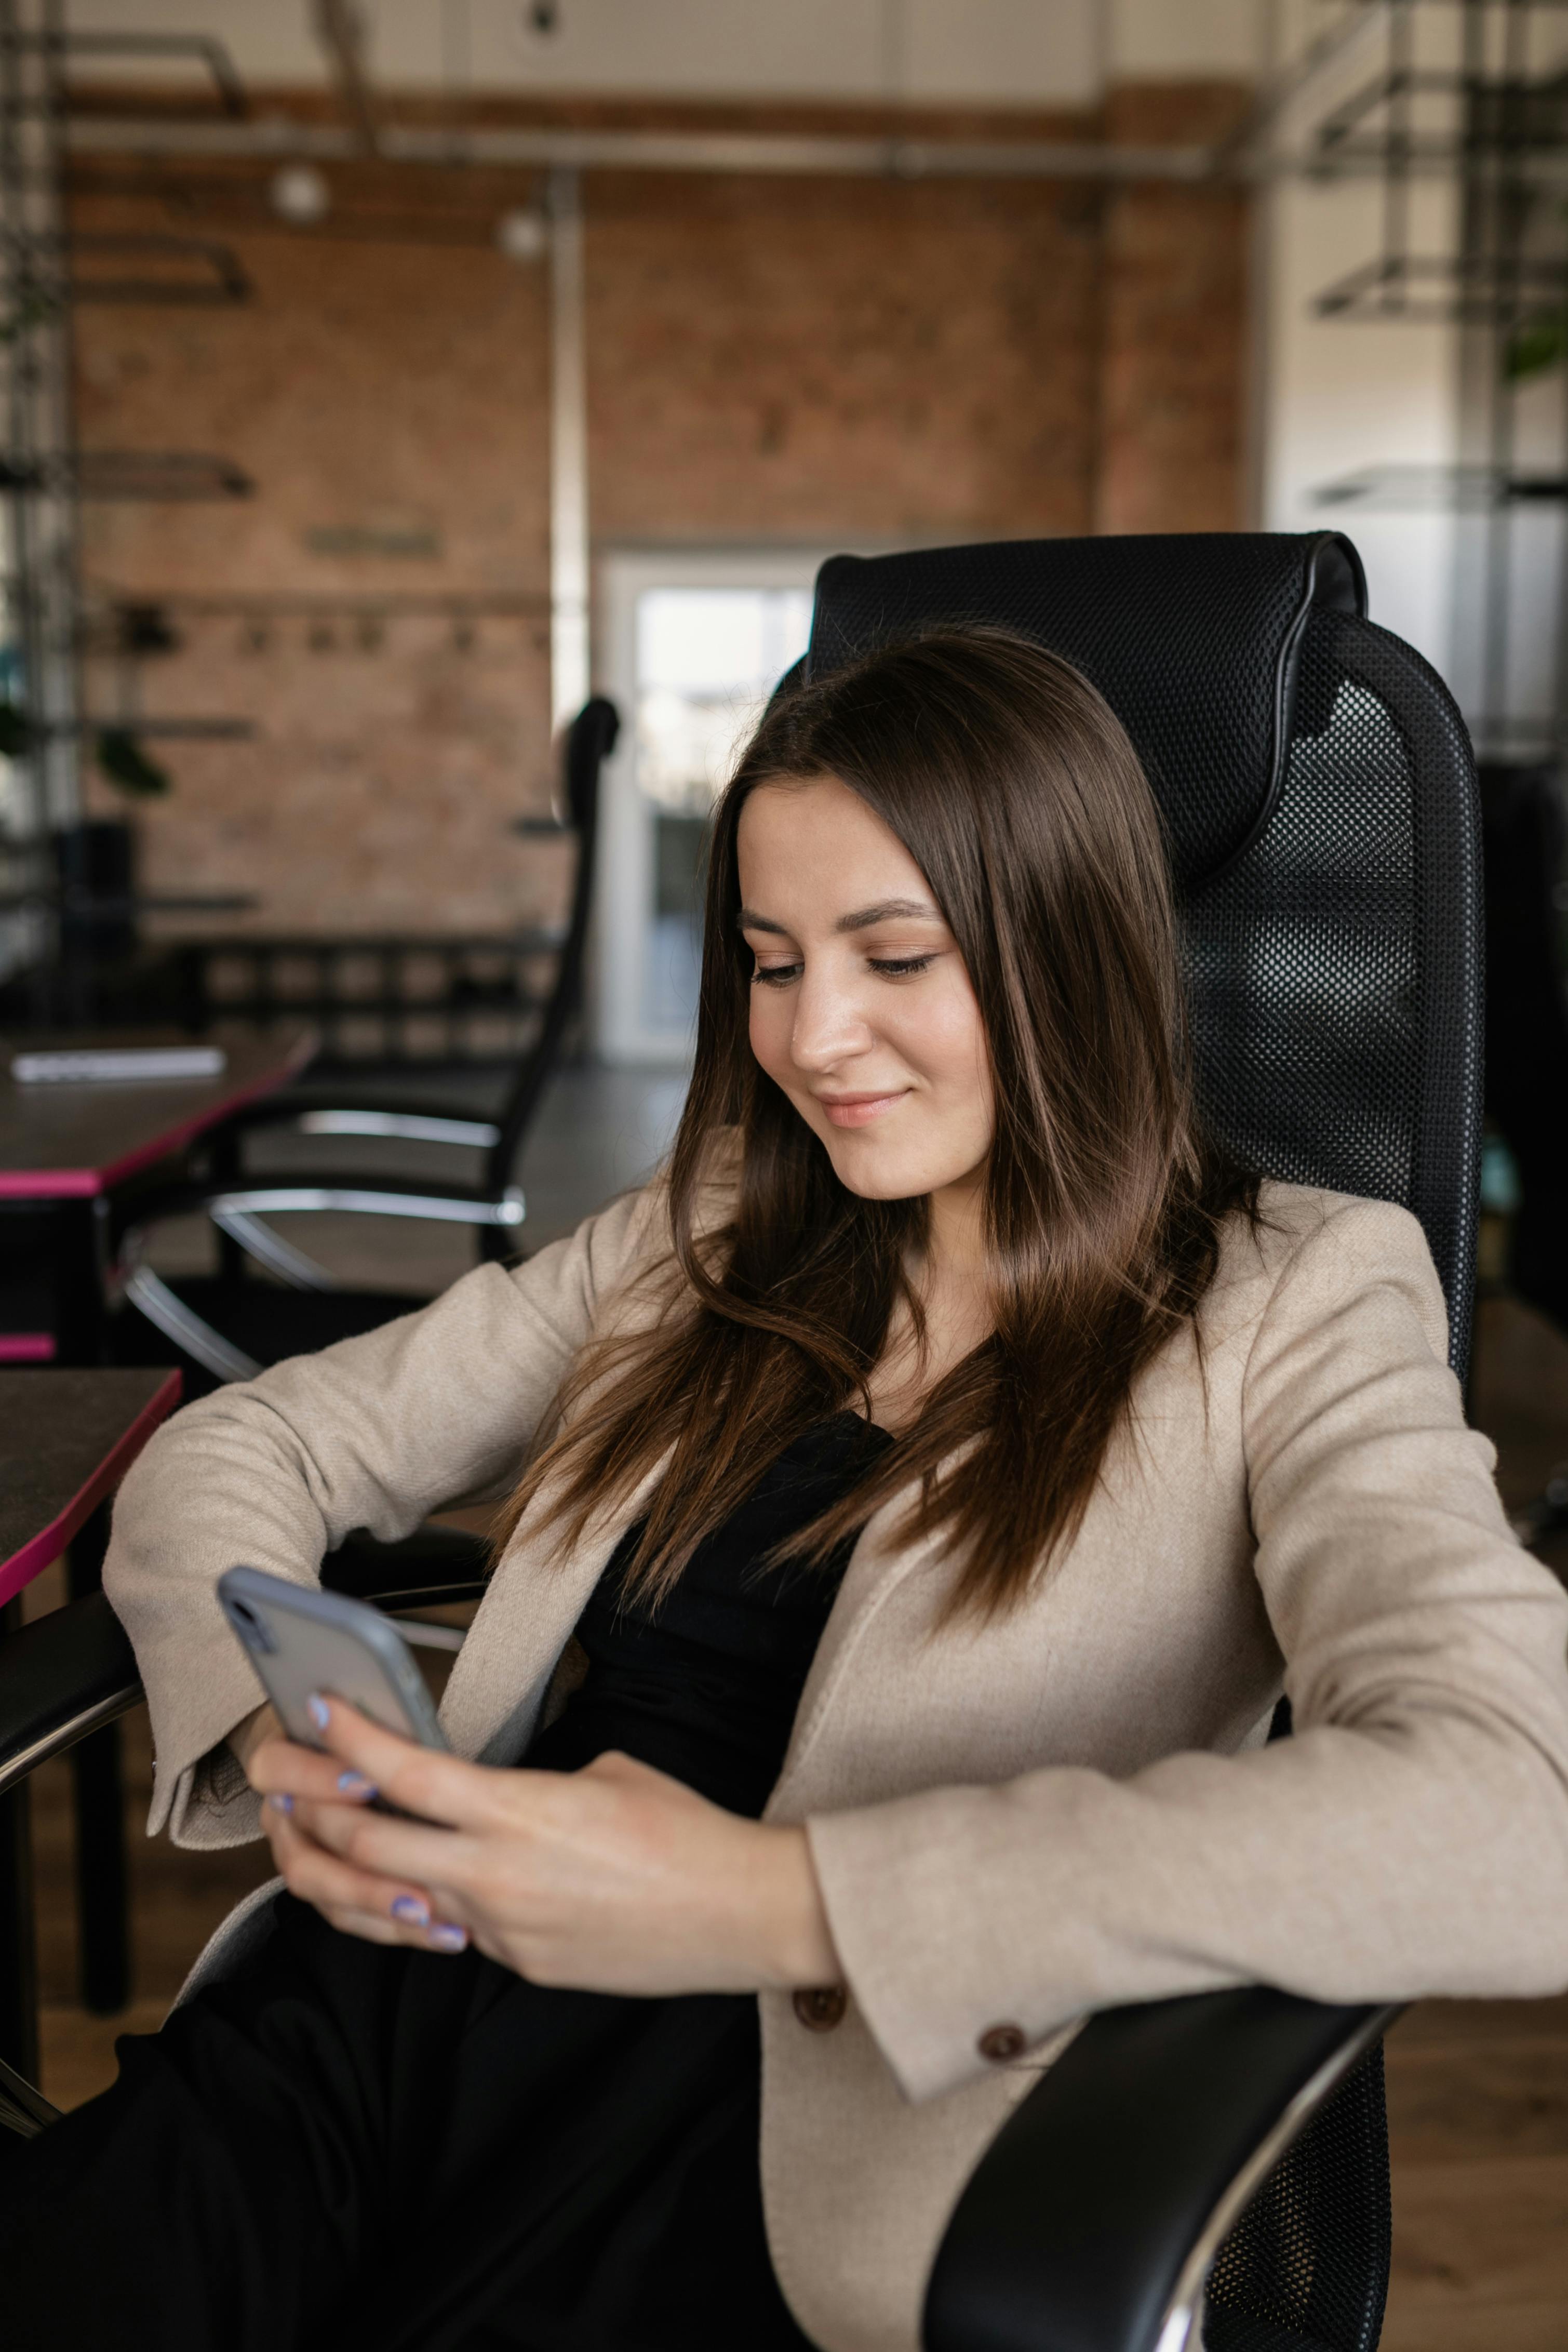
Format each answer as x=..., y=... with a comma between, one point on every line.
x=299, y=1640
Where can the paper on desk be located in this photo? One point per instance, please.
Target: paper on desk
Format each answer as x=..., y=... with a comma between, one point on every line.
x=65, y=1065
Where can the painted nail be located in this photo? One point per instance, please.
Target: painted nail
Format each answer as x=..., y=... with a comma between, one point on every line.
x=281, y=1803
x=316, y=1708
x=410, y=1910
x=445, y=1938
x=354, y=1784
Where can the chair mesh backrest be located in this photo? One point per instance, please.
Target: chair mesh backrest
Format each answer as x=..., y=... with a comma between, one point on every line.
x=1335, y=968
x=1319, y=797
x=1305, y=2269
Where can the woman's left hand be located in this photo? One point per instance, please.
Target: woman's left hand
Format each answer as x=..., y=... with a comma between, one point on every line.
x=614, y=1879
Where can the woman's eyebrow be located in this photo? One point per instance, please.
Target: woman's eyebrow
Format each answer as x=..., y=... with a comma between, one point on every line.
x=885, y=910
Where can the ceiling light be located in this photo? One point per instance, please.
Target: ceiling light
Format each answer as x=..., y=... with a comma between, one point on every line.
x=301, y=195
x=521, y=234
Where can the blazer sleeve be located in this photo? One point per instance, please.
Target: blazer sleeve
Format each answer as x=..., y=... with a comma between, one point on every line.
x=433, y=1409
x=1411, y=1839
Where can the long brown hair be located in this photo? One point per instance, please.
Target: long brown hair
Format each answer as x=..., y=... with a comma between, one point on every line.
x=1015, y=789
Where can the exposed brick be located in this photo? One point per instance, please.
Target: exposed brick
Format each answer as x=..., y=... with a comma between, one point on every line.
x=1172, y=395
x=769, y=359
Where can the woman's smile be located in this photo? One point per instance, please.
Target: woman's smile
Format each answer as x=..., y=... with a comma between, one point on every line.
x=858, y=1110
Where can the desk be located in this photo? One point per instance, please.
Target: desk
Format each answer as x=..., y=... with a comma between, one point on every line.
x=66, y=1149
x=66, y=1439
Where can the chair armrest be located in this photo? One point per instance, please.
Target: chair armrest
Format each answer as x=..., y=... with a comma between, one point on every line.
x=378, y=1196
x=61, y=1677
x=240, y=1209
x=432, y=1567
x=70, y=1672
x=358, y=1194
x=1092, y=2219
x=405, y=1118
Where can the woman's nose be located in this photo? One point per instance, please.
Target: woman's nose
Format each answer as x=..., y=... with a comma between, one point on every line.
x=829, y=1024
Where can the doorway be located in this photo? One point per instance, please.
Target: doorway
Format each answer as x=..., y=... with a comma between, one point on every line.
x=694, y=644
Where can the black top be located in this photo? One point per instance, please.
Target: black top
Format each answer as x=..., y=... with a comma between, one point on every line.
x=705, y=1685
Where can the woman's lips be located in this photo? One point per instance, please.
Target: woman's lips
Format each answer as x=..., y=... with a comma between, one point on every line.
x=858, y=1110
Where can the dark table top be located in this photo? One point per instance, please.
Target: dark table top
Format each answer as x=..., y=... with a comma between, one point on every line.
x=66, y=1439
x=66, y=1141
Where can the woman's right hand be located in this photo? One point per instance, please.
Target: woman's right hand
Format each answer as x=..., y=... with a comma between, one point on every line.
x=386, y=1911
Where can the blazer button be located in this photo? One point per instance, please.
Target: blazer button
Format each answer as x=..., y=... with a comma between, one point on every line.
x=1000, y=2042
x=820, y=2007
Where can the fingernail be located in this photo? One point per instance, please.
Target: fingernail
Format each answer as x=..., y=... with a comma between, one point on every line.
x=410, y=1910
x=316, y=1708
x=284, y=1804
x=447, y=1939
x=354, y=1784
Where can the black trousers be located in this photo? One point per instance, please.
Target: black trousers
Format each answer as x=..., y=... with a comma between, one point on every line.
x=348, y=2145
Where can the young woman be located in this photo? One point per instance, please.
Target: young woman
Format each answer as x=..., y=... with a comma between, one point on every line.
x=918, y=1500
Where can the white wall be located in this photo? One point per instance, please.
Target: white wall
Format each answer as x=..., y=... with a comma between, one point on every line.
x=1338, y=397
x=1002, y=52
x=1024, y=53
x=1020, y=53
x=1177, y=40
x=268, y=39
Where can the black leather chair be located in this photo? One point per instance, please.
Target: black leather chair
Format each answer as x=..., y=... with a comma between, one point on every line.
x=1212, y=2167
x=226, y=1327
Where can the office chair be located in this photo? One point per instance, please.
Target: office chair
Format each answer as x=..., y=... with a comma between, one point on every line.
x=1211, y=2170
x=229, y=1325
x=224, y=1327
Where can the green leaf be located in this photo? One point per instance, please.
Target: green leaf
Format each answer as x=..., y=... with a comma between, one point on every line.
x=127, y=766
x=1538, y=344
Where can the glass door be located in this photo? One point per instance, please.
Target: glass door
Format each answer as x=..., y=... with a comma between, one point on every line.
x=694, y=646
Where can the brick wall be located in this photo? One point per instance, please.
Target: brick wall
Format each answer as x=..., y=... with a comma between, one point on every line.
x=769, y=359
x=1174, y=277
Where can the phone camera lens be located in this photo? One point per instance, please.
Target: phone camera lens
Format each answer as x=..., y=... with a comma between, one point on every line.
x=249, y=1627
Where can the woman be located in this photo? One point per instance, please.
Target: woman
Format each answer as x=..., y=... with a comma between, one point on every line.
x=949, y=1463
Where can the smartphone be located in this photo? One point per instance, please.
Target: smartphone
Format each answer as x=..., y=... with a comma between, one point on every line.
x=300, y=1639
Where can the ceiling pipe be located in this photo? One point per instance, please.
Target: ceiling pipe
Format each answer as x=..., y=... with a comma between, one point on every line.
x=277, y=139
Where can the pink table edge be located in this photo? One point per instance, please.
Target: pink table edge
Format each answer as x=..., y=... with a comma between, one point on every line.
x=47, y=1545
x=83, y=1183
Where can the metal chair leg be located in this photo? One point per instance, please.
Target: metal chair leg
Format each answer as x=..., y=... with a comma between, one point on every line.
x=18, y=1950
x=102, y=1883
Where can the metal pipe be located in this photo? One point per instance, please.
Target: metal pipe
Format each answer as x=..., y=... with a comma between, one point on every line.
x=568, y=559
x=277, y=139
x=1239, y=157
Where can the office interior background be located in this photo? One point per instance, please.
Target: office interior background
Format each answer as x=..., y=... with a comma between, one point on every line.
x=386, y=377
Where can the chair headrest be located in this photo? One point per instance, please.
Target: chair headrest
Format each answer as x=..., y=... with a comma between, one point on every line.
x=1193, y=640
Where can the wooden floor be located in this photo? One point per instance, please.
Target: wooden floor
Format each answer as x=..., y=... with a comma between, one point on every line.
x=1478, y=2092
x=1477, y=2117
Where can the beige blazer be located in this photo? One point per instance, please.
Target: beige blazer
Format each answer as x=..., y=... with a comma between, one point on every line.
x=1013, y=1823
